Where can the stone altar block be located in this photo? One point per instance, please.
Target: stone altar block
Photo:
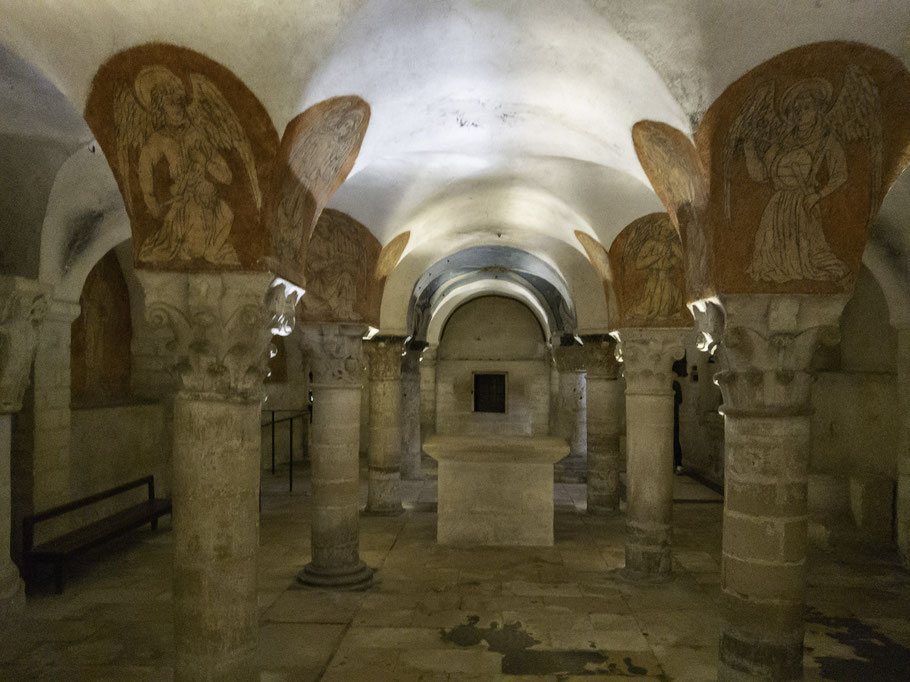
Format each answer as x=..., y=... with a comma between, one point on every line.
x=495, y=490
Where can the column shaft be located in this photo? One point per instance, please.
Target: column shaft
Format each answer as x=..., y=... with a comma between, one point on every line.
x=764, y=546
x=571, y=411
x=767, y=345
x=649, y=480
x=384, y=493
x=410, y=416
x=903, y=455
x=427, y=394
x=336, y=360
x=648, y=355
x=604, y=420
x=216, y=537
x=12, y=595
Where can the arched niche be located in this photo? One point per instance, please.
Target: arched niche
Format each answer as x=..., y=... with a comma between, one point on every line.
x=100, y=361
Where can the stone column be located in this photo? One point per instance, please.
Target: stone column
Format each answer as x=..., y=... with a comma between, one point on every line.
x=410, y=415
x=767, y=345
x=427, y=393
x=51, y=460
x=903, y=455
x=605, y=405
x=219, y=326
x=571, y=422
x=23, y=305
x=384, y=454
x=336, y=360
x=648, y=356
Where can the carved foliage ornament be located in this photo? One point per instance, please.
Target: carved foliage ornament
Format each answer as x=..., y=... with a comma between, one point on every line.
x=334, y=353
x=215, y=328
x=768, y=342
x=23, y=307
x=647, y=356
x=649, y=277
x=600, y=357
x=384, y=353
x=191, y=148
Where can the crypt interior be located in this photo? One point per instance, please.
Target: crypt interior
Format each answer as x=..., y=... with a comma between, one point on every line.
x=463, y=340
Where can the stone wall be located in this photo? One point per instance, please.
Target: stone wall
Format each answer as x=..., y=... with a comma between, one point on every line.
x=493, y=334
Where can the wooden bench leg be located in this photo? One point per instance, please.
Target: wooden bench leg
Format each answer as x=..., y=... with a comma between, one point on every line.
x=59, y=576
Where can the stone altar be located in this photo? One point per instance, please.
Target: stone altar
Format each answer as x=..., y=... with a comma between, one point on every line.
x=495, y=490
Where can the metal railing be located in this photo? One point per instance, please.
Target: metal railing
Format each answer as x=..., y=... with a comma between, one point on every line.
x=290, y=419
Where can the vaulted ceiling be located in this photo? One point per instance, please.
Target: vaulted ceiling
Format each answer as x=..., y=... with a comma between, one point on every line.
x=495, y=123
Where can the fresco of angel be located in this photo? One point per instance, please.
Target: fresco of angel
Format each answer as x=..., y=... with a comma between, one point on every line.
x=656, y=249
x=191, y=136
x=799, y=151
x=336, y=268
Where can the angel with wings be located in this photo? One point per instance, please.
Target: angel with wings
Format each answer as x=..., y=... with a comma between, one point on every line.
x=800, y=153
x=191, y=137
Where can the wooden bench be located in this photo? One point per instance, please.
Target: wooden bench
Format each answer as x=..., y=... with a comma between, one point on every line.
x=60, y=549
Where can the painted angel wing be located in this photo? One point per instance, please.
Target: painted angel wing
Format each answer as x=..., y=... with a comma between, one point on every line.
x=757, y=121
x=211, y=112
x=856, y=115
x=133, y=125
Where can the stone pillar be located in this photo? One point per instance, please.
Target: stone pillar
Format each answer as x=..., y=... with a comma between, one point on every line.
x=384, y=493
x=648, y=356
x=427, y=393
x=219, y=326
x=51, y=459
x=903, y=455
x=767, y=345
x=571, y=422
x=410, y=415
x=605, y=405
x=23, y=305
x=336, y=360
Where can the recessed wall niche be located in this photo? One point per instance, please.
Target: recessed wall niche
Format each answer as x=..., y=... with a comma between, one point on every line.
x=490, y=392
x=101, y=336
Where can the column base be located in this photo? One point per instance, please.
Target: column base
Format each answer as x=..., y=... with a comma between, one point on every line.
x=384, y=511
x=647, y=565
x=603, y=510
x=742, y=660
x=12, y=598
x=573, y=469
x=357, y=577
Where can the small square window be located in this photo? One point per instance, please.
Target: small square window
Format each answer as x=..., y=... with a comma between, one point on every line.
x=490, y=392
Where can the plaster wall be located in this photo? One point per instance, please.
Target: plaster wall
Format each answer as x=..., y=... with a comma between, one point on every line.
x=113, y=445
x=493, y=334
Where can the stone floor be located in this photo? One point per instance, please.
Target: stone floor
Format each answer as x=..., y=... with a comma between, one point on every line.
x=437, y=613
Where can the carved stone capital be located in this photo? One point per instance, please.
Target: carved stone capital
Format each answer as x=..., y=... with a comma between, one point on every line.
x=23, y=307
x=384, y=353
x=647, y=355
x=428, y=356
x=335, y=353
x=410, y=362
x=600, y=356
x=569, y=358
x=767, y=343
x=216, y=328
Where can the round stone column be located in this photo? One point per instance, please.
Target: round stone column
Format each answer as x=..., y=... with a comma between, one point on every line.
x=220, y=325
x=903, y=458
x=410, y=415
x=23, y=307
x=605, y=406
x=384, y=453
x=648, y=356
x=427, y=393
x=571, y=411
x=336, y=361
x=768, y=343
